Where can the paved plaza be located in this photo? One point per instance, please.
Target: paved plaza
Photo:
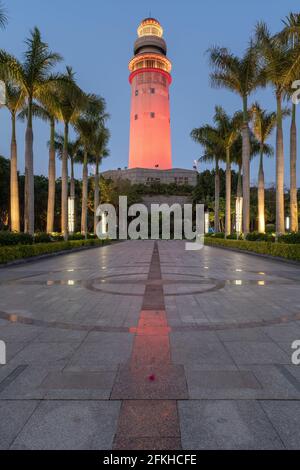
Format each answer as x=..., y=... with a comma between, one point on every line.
x=143, y=345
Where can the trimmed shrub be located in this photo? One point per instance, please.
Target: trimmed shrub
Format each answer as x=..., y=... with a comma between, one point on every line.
x=42, y=237
x=15, y=238
x=79, y=236
x=218, y=235
x=281, y=250
x=233, y=236
x=290, y=238
x=259, y=237
x=11, y=253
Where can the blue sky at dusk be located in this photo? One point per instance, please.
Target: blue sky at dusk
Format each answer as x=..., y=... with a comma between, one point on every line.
x=96, y=37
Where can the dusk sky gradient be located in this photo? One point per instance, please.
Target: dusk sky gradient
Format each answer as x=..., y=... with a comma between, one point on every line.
x=96, y=38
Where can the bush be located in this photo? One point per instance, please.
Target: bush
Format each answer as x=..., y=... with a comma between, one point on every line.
x=259, y=237
x=15, y=238
x=281, y=250
x=218, y=235
x=234, y=236
x=290, y=238
x=42, y=237
x=79, y=236
x=11, y=253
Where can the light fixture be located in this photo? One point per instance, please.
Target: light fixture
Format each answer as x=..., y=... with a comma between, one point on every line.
x=206, y=222
x=238, y=215
x=71, y=214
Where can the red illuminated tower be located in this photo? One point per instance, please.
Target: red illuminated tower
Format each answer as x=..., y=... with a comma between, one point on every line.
x=150, y=134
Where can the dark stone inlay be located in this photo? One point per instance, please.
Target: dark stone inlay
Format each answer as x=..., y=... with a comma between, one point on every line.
x=290, y=377
x=12, y=376
x=224, y=379
x=78, y=380
x=150, y=382
x=154, y=295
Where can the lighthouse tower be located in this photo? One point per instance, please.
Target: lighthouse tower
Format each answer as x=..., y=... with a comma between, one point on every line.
x=150, y=135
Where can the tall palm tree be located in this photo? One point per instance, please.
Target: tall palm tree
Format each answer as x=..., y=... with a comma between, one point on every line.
x=242, y=75
x=263, y=125
x=14, y=102
x=291, y=34
x=229, y=128
x=72, y=101
x=279, y=61
x=86, y=127
x=213, y=154
x=47, y=110
x=100, y=151
x=33, y=75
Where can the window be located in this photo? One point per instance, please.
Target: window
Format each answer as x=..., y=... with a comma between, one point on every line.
x=135, y=117
x=136, y=92
x=152, y=91
x=152, y=115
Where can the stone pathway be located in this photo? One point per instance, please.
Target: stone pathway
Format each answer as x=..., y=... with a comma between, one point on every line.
x=143, y=345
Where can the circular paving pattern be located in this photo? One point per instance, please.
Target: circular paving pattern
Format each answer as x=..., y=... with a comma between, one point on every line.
x=174, y=284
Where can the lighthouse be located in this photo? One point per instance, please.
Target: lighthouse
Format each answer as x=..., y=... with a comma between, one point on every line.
x=150, y=79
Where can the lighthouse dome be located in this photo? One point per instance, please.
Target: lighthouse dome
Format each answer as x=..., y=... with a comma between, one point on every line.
x=150, y=27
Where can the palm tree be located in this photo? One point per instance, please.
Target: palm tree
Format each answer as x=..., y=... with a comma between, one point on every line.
x=14, y=102
x=86, y=127
x=85, y=159
x=263, y=125
x=279, y=62
x=207, y=137
x=291, y=34
x=33, y=77
x=47, y=110
x=229, y=129
x=74, y=146
x=100, y=151
x=72, y=101
x=242, y=76
x=3, y=16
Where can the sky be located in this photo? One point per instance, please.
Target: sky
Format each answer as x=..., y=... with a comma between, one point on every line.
x=96, y=38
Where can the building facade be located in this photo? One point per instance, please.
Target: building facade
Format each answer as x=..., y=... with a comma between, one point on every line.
x=179, y=176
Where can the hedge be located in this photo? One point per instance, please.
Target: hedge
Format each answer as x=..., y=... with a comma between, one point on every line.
x=12, y=253
x=281, y=250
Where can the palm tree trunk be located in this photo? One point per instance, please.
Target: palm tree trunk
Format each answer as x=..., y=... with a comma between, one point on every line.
x=246, y=169
x=217, y=198
x=51, y=180
x=261, y=194
x=72, y=180
x=64, y=185
x=293, y=173
x=228, y=195
x=14, y=185
x=84, y=196
x=29, y=178
x=239, y=189
x=96, y=194
x=279, y=170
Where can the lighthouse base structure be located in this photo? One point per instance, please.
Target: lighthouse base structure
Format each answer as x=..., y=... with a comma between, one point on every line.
x=178, y=176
